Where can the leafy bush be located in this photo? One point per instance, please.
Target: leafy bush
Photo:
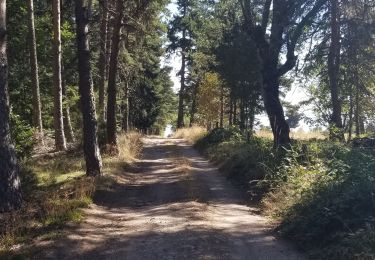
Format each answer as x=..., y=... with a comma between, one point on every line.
x=321, y=193
x=220, y=135
x=23, y=136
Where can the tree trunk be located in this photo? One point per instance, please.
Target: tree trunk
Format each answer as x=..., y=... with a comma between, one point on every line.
x=235, y=111
x=362, y=129
x=10, y=189
x=112, y=89
x=230, y=111
x=90, y=128
x=274, y=109
x=221, y=107
x=60, y=141
x=193, y=106
x=271, y=76
x=180, y=116
x=103, y=56
x=251, y=118
x=357, y=113
x=336, y=131
x=351, y=110
x=125, y=119
x=68, y=129
x=242, y=114
x=37, y=110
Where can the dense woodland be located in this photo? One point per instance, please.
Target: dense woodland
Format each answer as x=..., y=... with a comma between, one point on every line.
x=81, y=72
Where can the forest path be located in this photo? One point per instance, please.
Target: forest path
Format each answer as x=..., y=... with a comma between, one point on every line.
x=172, y=204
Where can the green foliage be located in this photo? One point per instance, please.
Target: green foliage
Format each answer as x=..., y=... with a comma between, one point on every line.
x=220, y=135
x=321, y=193
x=23, y=136
x=337, y=204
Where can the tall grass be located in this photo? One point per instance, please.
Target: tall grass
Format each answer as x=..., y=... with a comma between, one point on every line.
x=191, y=134
x=56, y=190
x=296, y=135
x=129, y=146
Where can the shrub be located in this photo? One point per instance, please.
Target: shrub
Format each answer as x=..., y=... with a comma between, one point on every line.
x=23, y=136
x=219, y=135
x=129, y=146
x=321, y=194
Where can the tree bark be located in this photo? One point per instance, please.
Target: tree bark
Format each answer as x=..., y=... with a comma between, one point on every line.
x=357, y=114
x=242, y=114
x=125, y=112
x=10, y=188
x=103, y=56
x=221, y=106
x=283, y=12
x=231, y=111
x=181, y=94
x=274, y=109
x=351, y=110
x=37, y=107
x=68, y=129
x=336, y=131
x=90, y=129
x=112, y=90
x=271, y=75
x=193, y=106
x=60, y=141
x=235, y=111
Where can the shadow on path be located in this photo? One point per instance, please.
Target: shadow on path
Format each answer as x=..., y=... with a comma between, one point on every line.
x=174, y=205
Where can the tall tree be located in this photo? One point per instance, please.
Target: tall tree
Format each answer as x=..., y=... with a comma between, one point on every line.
x=103, y=55
x=334, y=71
x=180, y=37
x=60, y=141
x=112, y=75
x=10, y=194
x=290, y=19
x=68, y=128
x=37, y=108
x=90, y=139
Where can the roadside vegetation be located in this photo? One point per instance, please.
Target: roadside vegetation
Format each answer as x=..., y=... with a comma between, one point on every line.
x=192, y=134
x=318, y=193
x=56, y=190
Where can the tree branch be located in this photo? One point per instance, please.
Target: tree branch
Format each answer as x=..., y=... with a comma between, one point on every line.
x=297, y=32
x=266, y=15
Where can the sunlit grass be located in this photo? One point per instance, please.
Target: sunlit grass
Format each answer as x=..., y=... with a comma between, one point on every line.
x=296, y=135
x=191, y=134
x=56, y=190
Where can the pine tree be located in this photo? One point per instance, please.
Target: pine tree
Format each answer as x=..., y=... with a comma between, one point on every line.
x=10, y=193
x=90, y=129
x=60, y=141
x=37, y=107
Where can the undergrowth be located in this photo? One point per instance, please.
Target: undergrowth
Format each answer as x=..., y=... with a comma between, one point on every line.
x=55, y=190
x=191, y=134
x=320, y=194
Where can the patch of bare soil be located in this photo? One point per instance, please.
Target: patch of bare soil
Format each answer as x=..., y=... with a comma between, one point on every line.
x=172, y=204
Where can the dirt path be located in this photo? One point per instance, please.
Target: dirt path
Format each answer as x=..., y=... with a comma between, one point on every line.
x=172, y=204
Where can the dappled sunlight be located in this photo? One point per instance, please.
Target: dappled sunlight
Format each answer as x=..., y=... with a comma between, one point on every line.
x=172, y=204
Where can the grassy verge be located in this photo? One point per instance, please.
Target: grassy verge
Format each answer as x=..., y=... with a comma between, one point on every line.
x=192, y=134
x=319, y=194
x=55, y=191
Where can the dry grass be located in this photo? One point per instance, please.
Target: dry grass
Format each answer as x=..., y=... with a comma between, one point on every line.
x=129, y=146
x=191, y=134
x=297, y=135
x=47, y=206
x=56, y=189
